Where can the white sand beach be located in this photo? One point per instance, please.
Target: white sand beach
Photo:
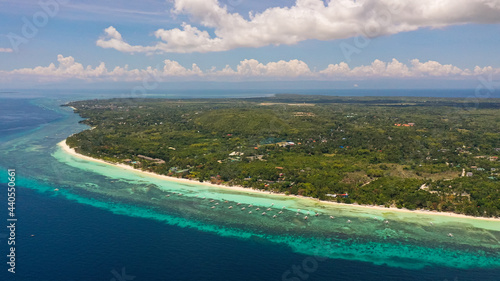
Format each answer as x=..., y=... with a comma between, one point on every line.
x=313, y=201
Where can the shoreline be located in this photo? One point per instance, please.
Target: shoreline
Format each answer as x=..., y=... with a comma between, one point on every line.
x=72, y=152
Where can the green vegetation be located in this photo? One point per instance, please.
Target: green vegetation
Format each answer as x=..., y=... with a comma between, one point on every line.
x=416, y=153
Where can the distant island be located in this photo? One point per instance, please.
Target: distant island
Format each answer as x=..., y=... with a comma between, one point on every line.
x=435, y=154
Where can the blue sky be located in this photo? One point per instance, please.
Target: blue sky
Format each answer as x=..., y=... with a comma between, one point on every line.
x=282, y=40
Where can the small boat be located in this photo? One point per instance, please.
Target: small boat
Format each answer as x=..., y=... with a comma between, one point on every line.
x=213, y=207
x=283, y=207
x=280, y=212
x=168, y=195
x=450, y=235
x=431, y=223
x=250, y=212
x=386, y=222
x=243, y=208
x=316, y=214
x=349, y=221
x=272, y=204
x=238, y=204
x=274, y=216
x=250, y=206
x=216, y=203
x=263, y=213
x=269, y=209
x=56, y=189
x=212, y=200
x=305, y=217
x=257, y=209
x=332, y=217
x=297, y=214
x=203, y=197
x=226, y=201
x=230, y=207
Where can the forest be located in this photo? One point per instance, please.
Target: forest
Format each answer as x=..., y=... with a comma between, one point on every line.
x=438, y=154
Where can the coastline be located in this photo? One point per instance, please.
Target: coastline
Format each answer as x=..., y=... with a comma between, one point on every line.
x=65, y=148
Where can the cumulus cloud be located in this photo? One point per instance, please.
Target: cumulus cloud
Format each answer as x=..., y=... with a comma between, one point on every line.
x=307, y=19
x=292, y=68
x=6, y=50
x=396, y=69
x=248, y=69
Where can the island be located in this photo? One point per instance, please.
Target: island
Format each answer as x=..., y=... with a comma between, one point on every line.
x=436, y=154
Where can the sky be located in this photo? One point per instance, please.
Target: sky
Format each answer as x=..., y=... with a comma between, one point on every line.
x=338, y=43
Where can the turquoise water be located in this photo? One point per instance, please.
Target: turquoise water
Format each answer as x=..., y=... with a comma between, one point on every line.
x=407, y=241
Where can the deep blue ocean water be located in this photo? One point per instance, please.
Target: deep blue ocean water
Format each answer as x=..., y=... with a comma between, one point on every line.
x=74, y=241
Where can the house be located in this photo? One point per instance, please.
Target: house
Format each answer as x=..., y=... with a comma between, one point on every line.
x=158, y=161
x=301, y=114
x=469, y=174
x=282, y=143
x=494, y=158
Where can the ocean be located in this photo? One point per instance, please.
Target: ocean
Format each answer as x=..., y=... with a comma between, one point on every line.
x=107, y=224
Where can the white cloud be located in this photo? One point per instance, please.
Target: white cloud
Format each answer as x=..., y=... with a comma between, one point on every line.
x=434, y=68
x=292, y=68
x=6, y=50
x=248, y=69
x=396, y=69
x=307, y=19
